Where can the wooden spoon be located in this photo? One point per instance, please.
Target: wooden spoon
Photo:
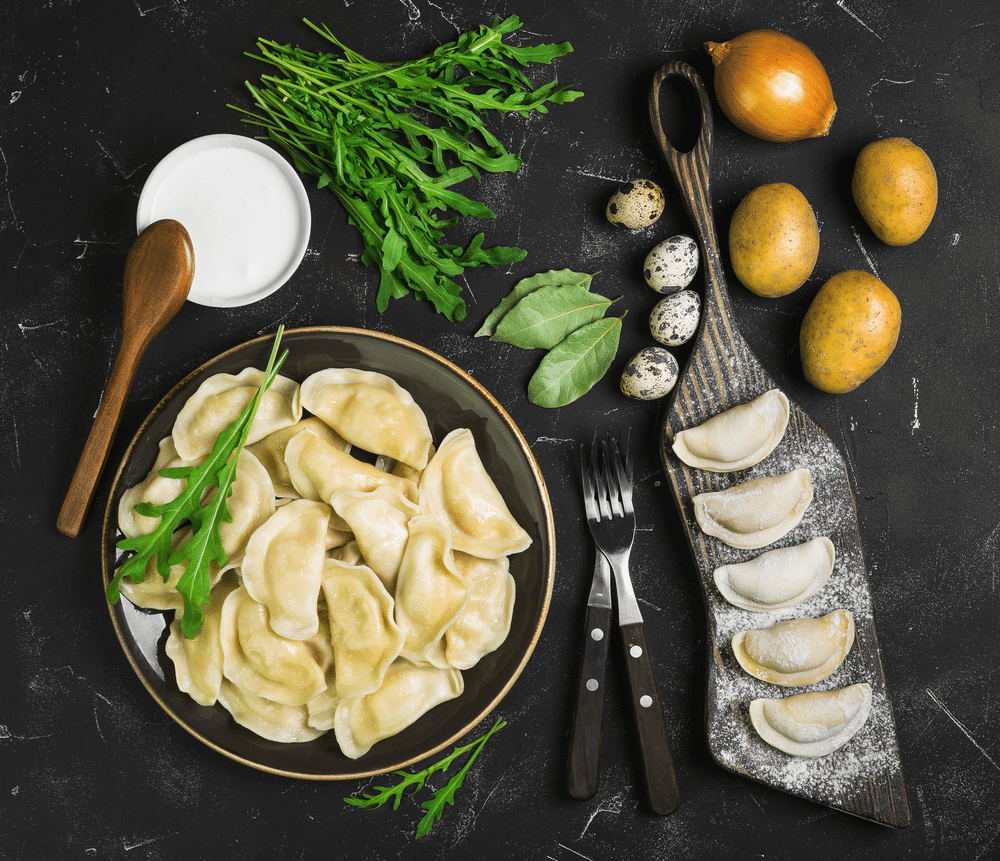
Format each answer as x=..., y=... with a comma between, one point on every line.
x=158, y=274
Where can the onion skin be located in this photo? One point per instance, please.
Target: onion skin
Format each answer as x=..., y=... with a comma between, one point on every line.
x=772, y=86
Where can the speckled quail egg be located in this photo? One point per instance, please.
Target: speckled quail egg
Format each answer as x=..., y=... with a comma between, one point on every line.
x=672, y=264
x=675, y=318
x=636, y=204
x=650, y=374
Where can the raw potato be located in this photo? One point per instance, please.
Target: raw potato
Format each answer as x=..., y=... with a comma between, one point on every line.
x=848, y=332
x=895, y=189
x=773, y=240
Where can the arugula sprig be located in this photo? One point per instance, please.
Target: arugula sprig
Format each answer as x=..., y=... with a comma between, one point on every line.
x=411, y=783
x=391, y=139
x=203, y=546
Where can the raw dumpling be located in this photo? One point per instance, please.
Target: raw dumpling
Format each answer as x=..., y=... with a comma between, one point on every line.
x=737, y=438
x=270, y=720
x=319, y=469
x=814, y=723
x=456, y=489
x=219, y=401
x=757, y=512
x=198, y=660
x=283, y=566
x=796, y=652
x=154, y=488
x=364, y=634
x=778, y=578
x=260, y=661
x=484, y=622
x=371, y=411
x=408, y=691
x=270, y=451
x=430, y=593
x=378, y=520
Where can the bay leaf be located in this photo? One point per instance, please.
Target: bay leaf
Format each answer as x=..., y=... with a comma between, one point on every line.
x=526, y=286
x=572, y=368
x=547, y=315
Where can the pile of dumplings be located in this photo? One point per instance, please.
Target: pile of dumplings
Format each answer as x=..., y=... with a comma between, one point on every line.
x=356, y=592
x=752, y=515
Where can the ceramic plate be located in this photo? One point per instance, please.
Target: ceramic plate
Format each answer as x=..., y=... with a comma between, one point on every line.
x=451, y=399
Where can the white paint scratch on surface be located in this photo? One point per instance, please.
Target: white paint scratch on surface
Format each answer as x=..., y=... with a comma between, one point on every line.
x=601, y=176
x=843, y=6
x=962, y=727
x=915, y=424
x=551, y=440
x=571, y=849
x=611, y=805
x=864, y=251
x=954, y=239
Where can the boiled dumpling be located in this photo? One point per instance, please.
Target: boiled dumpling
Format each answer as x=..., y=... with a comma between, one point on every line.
x=484, y=622
x=322, y=709
x=270, y=451
x=456, y=489
x=814, y=723
x=371, y=411
x=737, y=438
x=268, y=719
x=378, y=520
x=778, y=578
x=408, y=691
x=283, y=566
x=218, y=402
x=364, y=634
x=757, y=512
x=250, y=503
x=430, y=593
x=155, y=489
x=271, y=666
x=155, y=593
x=319, y=469
x=198, y=660
x=796, y=652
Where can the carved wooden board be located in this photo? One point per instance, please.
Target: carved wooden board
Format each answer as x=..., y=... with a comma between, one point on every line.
x=864, y=777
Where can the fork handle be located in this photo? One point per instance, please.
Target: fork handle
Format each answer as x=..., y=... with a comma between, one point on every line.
x=584, y=767
x=651, y=725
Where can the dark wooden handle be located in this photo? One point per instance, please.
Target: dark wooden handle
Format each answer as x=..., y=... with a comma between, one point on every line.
x=98, y=444
x=584, y=770
x=650, y=723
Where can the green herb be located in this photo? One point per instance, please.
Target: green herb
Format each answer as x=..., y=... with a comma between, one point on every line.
x=204, y=545
x=554, y=277
x=358, y=127
x=572, y=367
x=546, y=316
x=411, y=783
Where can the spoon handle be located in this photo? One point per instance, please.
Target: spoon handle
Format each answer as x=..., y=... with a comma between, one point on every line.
x=102, y=434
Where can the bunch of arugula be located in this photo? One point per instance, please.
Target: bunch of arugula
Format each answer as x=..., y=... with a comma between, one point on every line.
x=205, y=512
x=359, y=127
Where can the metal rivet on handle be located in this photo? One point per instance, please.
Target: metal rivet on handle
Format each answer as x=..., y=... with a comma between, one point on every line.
x=597, y=634
x=592, y=684
x=645, y=701
x=635, y=651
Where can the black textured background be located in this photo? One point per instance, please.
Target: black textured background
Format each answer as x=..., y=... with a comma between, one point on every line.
x=93, y=94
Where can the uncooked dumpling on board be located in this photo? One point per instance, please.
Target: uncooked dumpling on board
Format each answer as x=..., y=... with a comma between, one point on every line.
x=778, y=578
x=737, y=438
x=757, y=512
x=370, y=411
x=814, y=723
x=218, y=402
x=796, y=652
x=456, y=489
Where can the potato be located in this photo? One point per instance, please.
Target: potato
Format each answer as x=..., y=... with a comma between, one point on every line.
x=895, y=189
x=773, y=240
x=848, y=332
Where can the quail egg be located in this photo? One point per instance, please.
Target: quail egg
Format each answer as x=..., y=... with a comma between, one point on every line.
x=636, y=204
x=650, y=374
x=675, y=318
x=672, y=264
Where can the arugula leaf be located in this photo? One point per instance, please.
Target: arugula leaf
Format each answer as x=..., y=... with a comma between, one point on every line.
x=203, y=546
x=546, y=316
x=526, y=286
x=390, y=139
x=571, y=368
x=411, y=783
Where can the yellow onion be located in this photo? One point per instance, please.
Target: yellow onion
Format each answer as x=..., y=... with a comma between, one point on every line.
x=772, y=86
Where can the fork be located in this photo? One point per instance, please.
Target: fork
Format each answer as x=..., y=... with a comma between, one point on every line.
x=611, y=518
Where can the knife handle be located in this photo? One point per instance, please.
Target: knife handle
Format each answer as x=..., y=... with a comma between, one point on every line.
x=651, y=725
x=584, y=768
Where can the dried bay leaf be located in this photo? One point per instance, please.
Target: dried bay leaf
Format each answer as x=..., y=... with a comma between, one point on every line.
x=571, y=368
x=554, y=277
x=546, y=316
